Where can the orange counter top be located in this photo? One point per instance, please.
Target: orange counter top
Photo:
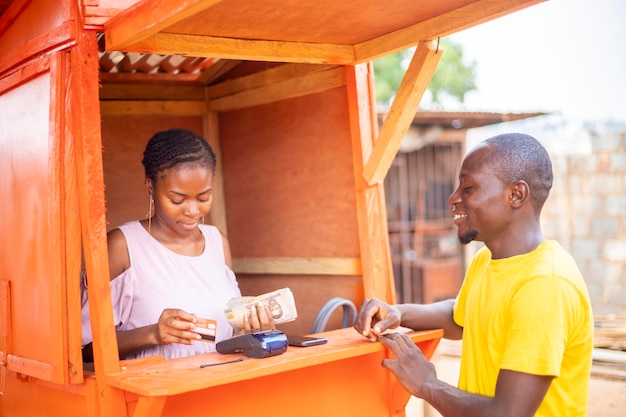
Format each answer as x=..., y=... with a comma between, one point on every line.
x=341, y=377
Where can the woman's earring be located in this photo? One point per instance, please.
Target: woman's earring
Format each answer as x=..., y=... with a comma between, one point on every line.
x=149, y=214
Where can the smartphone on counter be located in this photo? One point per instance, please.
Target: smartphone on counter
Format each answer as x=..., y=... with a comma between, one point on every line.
x=303, y=341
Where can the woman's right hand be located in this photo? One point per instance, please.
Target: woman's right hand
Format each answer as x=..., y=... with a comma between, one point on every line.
x=174, y=326
x=374, y=317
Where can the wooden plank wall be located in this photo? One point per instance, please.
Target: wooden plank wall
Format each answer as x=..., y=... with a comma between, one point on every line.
x=124, y=139
x=289, y=191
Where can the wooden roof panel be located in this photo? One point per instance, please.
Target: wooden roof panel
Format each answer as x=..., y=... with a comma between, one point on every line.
x=311, y=21
x=315, y=31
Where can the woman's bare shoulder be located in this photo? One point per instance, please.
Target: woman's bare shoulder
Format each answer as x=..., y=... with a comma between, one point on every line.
x=119, y=260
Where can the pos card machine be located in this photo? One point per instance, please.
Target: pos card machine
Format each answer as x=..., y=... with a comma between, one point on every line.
x=256, y=344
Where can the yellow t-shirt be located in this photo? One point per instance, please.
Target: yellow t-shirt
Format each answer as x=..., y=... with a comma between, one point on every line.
x=528, y=313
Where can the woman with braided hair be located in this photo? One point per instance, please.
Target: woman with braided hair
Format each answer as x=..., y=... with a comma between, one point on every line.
x=169, y=269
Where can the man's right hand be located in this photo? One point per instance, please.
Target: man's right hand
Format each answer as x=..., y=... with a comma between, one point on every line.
x=375, y=317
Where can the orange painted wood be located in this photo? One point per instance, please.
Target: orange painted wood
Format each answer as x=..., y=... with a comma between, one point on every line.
x=453, y=16
x=178, y=376
x=245, y=49
x=402, y=111
x=33, y=397
x=298, y=266
x=5, y=329
x=90, y=189
x=373, y=236
x=345, y=23
x=149, y=17
x=149, y=407
x=15, y=8
x=217, y=215
x=342, y=378
x=283, y=31
x=34, y=152
x=152, y=108
x=112, y=89
x=41, y=15
x=288, y=178
x=216, y=70
x=70, y=242
x=42, y=25
x=264, y=78
x=73, y=255
x=58, y=318
x=139, y=78
x=312, y=83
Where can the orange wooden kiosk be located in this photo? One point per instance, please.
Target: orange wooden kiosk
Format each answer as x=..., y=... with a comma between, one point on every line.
x=283, y=90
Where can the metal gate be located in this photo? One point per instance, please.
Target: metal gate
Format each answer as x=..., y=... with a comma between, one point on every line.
x=427, y=257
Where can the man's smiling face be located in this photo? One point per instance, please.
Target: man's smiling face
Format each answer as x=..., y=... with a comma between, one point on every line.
x=479, y=203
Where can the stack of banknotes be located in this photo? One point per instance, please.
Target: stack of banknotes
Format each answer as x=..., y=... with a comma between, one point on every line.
x=280, y=302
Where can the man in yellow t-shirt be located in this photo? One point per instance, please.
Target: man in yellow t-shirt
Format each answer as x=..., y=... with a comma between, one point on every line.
x=523, y=310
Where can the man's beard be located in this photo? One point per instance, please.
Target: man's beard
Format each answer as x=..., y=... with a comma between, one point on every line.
x=468, y=237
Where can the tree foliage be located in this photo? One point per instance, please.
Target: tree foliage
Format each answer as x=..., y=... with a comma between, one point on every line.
x=453, y=78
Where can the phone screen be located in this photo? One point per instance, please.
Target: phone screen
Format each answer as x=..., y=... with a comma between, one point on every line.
x=302, y=341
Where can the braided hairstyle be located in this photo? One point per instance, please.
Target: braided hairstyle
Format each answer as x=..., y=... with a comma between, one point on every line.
x=169, y=148
x=518, y=156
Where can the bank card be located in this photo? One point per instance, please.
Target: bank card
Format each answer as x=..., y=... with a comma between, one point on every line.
x=206, y=328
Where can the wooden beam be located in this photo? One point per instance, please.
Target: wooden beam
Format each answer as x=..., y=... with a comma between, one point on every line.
x=73, y=240
x=57, y=38
x=219, y=68
x=244, y=49
x=146, y=18
x=5, y=325
x=88, y=147
x=443, y=25
x=298, y=266
x=263, y=78
x=217, y=215
x=403, y=108
x=152, y=108
x=142, y=78
x=132, y=91
x=290, y=88
x=378, y=280
x=95, y=15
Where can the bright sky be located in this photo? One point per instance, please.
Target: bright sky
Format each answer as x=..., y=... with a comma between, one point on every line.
x=564, y=56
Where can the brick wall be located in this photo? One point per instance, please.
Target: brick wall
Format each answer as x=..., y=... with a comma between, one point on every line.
x=586, y=212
